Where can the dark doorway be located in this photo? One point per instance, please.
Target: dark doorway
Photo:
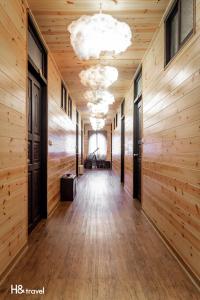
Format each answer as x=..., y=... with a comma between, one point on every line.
x=137, y=156
x=122, y=140
x=37, y=129
x=77, y=141
x=34, y=151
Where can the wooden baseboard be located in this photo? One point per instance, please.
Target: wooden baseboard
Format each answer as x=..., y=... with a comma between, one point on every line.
x=192, y=276
x=13, y=263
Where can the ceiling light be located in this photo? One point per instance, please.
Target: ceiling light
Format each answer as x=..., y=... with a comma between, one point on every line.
x=100, y=108
x=99, y=77
x=98, y=96
x=97, y=123
x=101, y=33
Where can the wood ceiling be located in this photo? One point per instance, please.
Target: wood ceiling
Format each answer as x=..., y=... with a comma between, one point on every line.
x=54, y=16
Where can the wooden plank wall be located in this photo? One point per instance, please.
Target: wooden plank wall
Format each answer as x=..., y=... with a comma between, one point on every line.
x=62, y=134
x=116, y=144
x=107, y=128
x=143, y=17
x=13, y=136
x=13, y=132
x=171, y=152
x=128, y=159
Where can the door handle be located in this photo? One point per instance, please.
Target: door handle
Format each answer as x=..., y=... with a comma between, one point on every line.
x=135, y=154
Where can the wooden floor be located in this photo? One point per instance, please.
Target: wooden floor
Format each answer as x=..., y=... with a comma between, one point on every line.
x=99, y=247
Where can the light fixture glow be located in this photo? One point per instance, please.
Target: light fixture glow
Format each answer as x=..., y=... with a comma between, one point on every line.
x=98, y=77
x=100, y=108
x=101, y=33
x=97, y=123
x=99, y=95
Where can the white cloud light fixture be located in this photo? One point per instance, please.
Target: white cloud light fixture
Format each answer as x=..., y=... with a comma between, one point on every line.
x=97, y=123
x=98, y=96
x=98, y=109
x=98, y=77
x=94, y=35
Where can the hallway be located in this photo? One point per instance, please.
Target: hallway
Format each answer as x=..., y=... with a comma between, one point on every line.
x=99, y=247
x=105, y=94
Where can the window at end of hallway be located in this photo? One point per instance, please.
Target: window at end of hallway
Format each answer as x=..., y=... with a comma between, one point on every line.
x=97, y=140
x=179, y=26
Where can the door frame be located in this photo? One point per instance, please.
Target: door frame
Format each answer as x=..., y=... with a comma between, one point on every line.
x=122, y=175
x=135, y=188
x=42, y=78
x=135, y=102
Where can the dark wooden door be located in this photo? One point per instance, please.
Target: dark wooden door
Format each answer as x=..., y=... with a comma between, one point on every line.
x=77, y=141
x=34, y=152
x=137, y=148
x=122, y=148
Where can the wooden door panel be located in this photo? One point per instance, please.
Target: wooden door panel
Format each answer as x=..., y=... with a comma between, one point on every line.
x=29, y=105
x=36, y=194
x=36, y=110
x=122, y=140
x=34, y=151
x=137, y=148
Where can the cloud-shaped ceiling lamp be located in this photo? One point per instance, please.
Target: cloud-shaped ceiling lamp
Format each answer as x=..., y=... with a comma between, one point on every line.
x=98, y=96
x=99, y=77
x=100, y=108
x=94, y=35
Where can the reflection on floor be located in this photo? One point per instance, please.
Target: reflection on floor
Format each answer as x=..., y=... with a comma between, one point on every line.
x=99, y=247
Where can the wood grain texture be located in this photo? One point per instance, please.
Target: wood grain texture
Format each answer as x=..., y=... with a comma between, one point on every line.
x=13, y=143
x=171, y=173
x=128, y=179
x=171, y=159
x=100, y=247
x=54, y=17
x=13, y=132
x=116, y=144
x=62, y=134
x=171, y=152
